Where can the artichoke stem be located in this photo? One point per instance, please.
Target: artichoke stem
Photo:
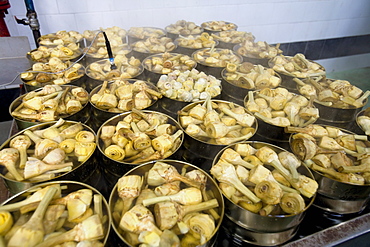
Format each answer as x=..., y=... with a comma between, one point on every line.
x=266, y=210
x=32, y=136
x=355, y=169
x=32, y=232
x=199, y=207
x=211, y=211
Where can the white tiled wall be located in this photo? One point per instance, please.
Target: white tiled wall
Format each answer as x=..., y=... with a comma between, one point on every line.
x=273, y=21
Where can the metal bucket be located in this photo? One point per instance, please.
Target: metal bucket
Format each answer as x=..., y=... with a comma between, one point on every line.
x=200, y=151
x=213, y=70
x=239, y=234
x=82, y=115
x=123, y=49
x=287, y=79
x=174, y=36
x=222, y=26
x=115, y=169
x=233, y=92
x=76, y=55
x=99, y=116
x=142, y=55
x=81, y=171
x=337, y=116
x=263, y=230
x=250, y=58
x=173, y=103
x=271, y=132
x=179, y=165
x=235, y=38
x=173, y=31
x=189, y=50
x=336, y=196
x=342, y=117
x=341, y=198
x=70, y=186
x=52, y=37
x=80, y=82
x=178, y=64
x=135, y=34
x=94, y=80
x=93, y=33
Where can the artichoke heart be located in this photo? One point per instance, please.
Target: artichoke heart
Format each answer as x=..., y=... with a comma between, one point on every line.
x=138, y=219
x=83, y=150
x=6, y=222
x=71, y=131
x=292, y=203
x=129, y=186
x=73, y=106
x=269, y=192
x=76, y=208
x=85, y=136
x=115, y=152
x=68, y=145
x=44, y=146
x=202, y=226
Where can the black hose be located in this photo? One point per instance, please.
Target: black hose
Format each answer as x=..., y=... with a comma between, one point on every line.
x=110, y=54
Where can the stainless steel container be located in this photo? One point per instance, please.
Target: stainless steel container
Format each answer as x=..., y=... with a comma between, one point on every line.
x=167, y=62
x=174, y=36
x=215, y=69
x=178, y=94
x=117, y=31
x=261, y=230
x=341, y=198
x=250, y=58
x=228, y=39
x=80, y=82
x=99, y=116
x=183, y=28
x=340, y=113
x=76, y=56
x=62, y=37
x=135, y=34
x=190, y=50
x=247, y=237
x=141, y=54
x=70, y=186
x=287, y=79
x=336, y=196
x=339, y=117
x=217, y=26
x=123, y=49
x=82, y=115
x=179, y=165
x=200, y=151
x=269, y=132
x=233, y=92
x=81, y=171
x=96, y=79
x=116, y=169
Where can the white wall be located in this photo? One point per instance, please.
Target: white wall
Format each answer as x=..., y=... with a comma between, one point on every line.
x=273, y=21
